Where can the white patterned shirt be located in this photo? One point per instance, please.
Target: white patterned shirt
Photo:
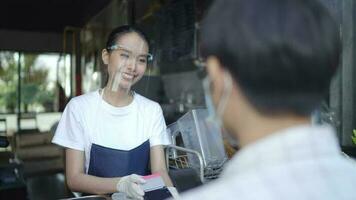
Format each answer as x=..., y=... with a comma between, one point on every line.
x=299, y=163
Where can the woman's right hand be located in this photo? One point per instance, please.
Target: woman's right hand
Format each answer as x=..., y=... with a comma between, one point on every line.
x=130, y=186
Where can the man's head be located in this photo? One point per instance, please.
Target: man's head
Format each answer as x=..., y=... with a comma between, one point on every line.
x=281, y=54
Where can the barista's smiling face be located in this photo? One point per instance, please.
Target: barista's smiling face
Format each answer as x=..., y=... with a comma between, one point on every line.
x=129, y=58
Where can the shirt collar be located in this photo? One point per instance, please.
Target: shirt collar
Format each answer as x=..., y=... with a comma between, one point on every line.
x=114, y=110
x=288, y=145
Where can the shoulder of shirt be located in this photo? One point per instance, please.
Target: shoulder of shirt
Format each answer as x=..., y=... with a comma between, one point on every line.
x=227, y=187
x=215, y=190
x=84, y=100
x=148, y=103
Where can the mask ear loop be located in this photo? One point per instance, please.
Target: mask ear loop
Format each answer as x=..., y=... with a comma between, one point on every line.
x=231, y=140
x=208, y=99
x=225, y=96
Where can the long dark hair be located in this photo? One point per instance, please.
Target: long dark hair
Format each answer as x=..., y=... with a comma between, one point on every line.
x=117, y=32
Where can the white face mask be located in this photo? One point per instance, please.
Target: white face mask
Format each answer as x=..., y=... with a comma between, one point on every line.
x=216, y=115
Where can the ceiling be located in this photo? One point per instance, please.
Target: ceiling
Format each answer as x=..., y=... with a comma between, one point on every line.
x=47, y=15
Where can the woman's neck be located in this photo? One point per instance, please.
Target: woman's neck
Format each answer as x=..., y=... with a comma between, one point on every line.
x=118, y=98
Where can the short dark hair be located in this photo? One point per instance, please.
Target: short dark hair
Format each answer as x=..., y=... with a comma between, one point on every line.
x=117, y=32
x=282, y=53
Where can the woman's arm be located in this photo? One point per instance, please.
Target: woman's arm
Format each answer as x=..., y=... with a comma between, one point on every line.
x=78, y=181
x=158, y=164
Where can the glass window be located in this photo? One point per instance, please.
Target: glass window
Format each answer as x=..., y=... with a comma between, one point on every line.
x=42, y=92
x=8, y=81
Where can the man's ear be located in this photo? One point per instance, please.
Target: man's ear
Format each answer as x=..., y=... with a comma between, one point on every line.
x=216, y=75
x=105, y=56
x=215, y=71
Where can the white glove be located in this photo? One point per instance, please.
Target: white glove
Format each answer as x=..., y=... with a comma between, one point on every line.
x=130, y=186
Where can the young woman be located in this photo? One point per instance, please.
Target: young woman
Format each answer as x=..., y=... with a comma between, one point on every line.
x=113, y=136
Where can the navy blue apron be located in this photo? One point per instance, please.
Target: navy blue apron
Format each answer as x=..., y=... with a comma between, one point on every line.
x=108, y=162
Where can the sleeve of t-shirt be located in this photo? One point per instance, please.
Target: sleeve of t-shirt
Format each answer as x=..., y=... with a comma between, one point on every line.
x=69, y=132
x=159, y=130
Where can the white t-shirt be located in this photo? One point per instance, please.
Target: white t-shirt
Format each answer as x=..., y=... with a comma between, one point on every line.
x=88, y=119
